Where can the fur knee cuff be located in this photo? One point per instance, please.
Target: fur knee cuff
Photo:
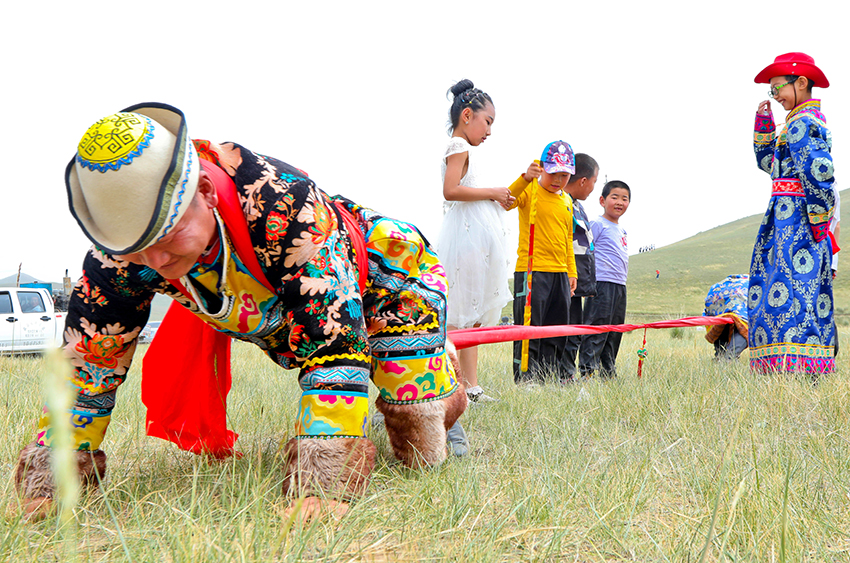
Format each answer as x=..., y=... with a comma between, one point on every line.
x=337, y=467
x=34, y=476
x=417, y=431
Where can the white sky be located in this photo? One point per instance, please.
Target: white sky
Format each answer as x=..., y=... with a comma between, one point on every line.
x=660, y=93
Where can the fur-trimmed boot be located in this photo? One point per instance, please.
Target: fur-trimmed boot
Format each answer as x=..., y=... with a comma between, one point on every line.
x=336, y=467
x=417, y=431
x=34, y=477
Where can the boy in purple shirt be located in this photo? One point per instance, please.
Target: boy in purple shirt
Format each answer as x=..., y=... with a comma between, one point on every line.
x=599, y=351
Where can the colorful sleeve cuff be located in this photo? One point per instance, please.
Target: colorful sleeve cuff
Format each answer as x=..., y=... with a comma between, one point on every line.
x=764, y=123
x=333, y=414
x=415, y=379
x=764, y=130
x=820, y=231
x=763, y=138
x=87, y=430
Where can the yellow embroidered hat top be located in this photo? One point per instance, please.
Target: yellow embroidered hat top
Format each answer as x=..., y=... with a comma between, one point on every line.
x=133, y=176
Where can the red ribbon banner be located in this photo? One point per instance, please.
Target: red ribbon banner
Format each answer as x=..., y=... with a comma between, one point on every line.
x=467, y=337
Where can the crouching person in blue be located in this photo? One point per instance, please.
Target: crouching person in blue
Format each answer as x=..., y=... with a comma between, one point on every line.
x=728, y=298
x=249, y=248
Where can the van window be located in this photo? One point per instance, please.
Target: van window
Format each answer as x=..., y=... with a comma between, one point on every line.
x=31, y=302
x=5, y=303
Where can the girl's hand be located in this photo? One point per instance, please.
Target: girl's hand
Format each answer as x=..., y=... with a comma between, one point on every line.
x=508, y=203
x=573, y=284
x=503, y=197
x=764, y=108
x=534, y=171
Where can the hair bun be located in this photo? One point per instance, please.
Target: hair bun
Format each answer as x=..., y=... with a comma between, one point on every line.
x=461, y=87
x=465, y=96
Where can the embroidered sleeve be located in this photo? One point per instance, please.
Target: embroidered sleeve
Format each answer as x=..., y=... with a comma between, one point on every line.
x=108, y=309
x=764, y=140
x=289, y=218
x=810, y=143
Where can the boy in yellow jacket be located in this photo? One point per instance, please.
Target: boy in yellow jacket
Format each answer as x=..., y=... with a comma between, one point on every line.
x=545, y=275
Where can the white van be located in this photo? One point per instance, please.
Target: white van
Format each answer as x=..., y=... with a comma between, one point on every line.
x=28, y=322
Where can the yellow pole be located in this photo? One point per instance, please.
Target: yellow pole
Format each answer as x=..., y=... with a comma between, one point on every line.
x=526, y=320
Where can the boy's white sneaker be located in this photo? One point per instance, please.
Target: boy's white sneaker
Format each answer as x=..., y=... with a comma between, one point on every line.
x=476, y=395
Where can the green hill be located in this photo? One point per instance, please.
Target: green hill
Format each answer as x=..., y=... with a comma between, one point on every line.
x=689, y=267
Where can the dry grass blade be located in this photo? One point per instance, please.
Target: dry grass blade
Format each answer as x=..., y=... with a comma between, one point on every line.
x=725, y=465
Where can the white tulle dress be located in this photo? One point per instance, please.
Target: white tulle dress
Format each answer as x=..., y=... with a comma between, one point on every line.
x=473, y=247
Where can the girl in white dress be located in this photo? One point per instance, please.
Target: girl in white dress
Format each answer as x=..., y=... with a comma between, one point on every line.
x=473, y=239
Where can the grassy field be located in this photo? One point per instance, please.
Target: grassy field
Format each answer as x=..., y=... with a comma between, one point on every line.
x=693, y=462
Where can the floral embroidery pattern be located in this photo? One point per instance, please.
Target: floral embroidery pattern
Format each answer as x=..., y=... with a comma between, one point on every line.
x=316, y=319
x=790, y=293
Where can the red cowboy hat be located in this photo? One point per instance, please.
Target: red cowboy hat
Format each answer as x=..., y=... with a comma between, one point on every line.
x=798, y=64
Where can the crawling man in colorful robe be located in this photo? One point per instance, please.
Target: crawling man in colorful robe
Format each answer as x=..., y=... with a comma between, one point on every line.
x=251, y=247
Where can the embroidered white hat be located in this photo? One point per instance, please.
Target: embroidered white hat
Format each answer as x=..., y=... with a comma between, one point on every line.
x=134, y=175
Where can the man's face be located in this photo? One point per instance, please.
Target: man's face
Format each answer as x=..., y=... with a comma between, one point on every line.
x=178, y=251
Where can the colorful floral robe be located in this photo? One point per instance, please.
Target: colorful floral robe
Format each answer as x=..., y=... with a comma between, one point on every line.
x=790, y=292
x=316, y=320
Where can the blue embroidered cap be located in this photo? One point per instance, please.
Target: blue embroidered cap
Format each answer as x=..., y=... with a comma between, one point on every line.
x=558, y=157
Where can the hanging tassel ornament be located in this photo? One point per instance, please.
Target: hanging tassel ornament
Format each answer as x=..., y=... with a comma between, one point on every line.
x=641, y=355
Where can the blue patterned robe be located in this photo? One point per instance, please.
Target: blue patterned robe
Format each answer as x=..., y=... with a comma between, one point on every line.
x=790, y=292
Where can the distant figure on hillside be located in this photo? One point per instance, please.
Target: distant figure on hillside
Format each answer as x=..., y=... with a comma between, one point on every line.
x=790, y=292
x=608, y=307
x=728, y=298
x=657, y=274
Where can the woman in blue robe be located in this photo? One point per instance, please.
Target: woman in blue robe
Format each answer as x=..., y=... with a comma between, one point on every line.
x=790, y=292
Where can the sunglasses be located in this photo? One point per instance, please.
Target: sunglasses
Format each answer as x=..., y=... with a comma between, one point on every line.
x=774, y=90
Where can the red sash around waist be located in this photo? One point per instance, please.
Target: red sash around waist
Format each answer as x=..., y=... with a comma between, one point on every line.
x=787, y=186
